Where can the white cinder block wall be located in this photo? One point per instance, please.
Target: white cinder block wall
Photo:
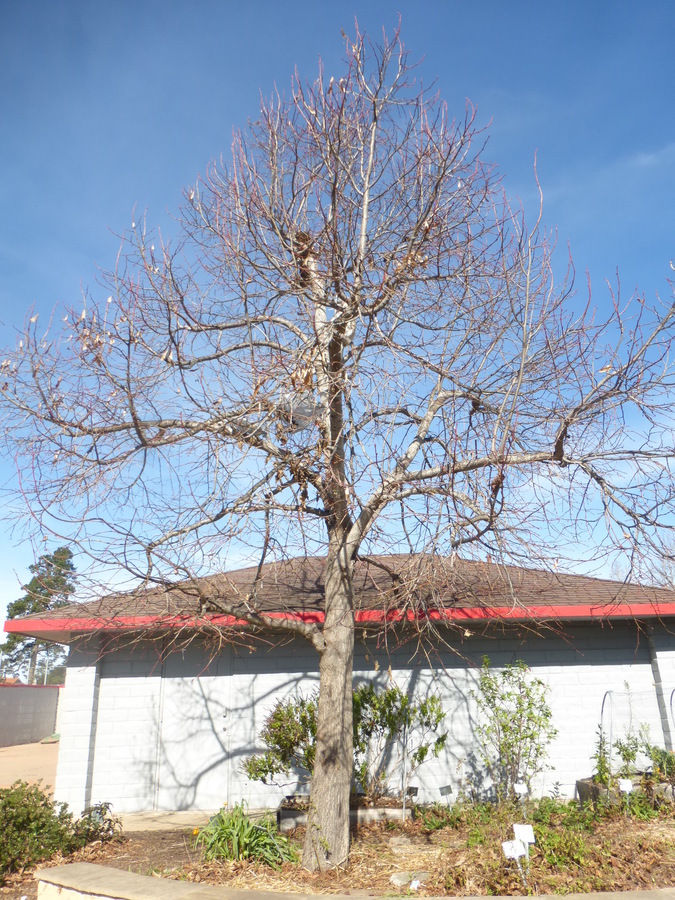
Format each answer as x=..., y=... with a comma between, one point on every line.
x=147, y=735
x=77, y=720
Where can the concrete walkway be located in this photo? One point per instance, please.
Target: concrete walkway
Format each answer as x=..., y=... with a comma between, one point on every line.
x=161, y=821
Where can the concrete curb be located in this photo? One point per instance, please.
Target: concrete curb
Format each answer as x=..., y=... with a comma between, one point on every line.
x=77, y=881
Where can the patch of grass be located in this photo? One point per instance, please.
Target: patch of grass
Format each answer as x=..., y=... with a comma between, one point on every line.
x=438, y=816
x=477, y=836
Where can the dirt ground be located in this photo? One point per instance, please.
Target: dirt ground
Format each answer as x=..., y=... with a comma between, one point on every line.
x=28, y=762
x=621, y=855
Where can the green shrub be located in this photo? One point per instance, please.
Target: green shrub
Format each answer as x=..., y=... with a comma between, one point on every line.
x=663, y=763
x=603, y=770
x=289, y=733
x=231, y=834
x=562, y=847
x=630, y=747
x=381, y=717
x=438, y=816
x=386, y=716
x=557, y=813
x=515, y=726
x=33, y=827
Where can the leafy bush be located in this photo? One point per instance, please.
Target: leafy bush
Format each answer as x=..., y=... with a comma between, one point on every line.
x=663, y=763
x=438, y=816
x=636, y=753
x=562, y=847
x=515, y=728
x=289, y=734
x=33, y=827
x=641, y=805
x=231, y=834
x=603, y=770
x=476, y=817
x=630, y=747
x=568, y=814
x=381, y=717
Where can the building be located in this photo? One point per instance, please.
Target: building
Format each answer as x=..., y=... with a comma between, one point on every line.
x=165, y=696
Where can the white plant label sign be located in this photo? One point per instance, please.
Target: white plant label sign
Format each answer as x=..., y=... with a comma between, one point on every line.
x=524, y=834
x=625, y=785
x=514, y=849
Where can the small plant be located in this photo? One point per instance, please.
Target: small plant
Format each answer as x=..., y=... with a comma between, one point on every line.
x=548, y=811
x=641, y=805
x=232, y=834
x=385, y=717
x=663, y=763
x=568, y=814
x=563, y=847
x=476, y=837
x=438, y=816
x=603, y=771
x=97, y=824
x=630, y=747
x=516, y=726
x=289, y=733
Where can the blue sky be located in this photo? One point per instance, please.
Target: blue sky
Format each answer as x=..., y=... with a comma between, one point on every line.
x=106, y=107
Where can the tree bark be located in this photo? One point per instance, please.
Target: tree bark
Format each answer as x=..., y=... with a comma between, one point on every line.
x=327, y=837
x=32, y=665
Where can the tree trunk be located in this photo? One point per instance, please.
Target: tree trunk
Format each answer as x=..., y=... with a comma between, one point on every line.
x=32, y=665
x=327, y=837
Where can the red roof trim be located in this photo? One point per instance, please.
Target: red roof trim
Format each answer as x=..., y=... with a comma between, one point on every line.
x=454, y=614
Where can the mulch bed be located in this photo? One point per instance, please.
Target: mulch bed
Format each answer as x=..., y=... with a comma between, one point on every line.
x=620, y=855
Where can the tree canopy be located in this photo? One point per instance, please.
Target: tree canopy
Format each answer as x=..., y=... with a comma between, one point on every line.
x=353, y=345
x=51, y=586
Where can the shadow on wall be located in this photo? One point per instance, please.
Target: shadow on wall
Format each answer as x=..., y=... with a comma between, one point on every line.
x=206, y=725
x=204, y=738
x=210, y=724
x=202, y=716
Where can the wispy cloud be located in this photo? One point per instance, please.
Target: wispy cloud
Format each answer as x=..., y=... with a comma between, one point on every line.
x=664, y=157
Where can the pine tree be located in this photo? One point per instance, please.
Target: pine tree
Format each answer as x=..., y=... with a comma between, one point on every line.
x=52, y=584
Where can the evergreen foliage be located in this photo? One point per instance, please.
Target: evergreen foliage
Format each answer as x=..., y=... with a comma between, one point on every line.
x=51, y=586
x=382, y=718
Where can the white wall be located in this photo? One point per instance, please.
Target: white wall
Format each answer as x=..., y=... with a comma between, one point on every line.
x=78, y=720
x=173, y=735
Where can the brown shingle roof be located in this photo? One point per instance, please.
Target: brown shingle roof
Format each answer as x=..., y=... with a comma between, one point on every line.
x=385, y=585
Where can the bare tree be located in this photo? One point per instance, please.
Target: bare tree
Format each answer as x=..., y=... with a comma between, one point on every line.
x=353, y=345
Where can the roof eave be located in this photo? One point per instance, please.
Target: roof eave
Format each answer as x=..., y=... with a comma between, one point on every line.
x=63, y=630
